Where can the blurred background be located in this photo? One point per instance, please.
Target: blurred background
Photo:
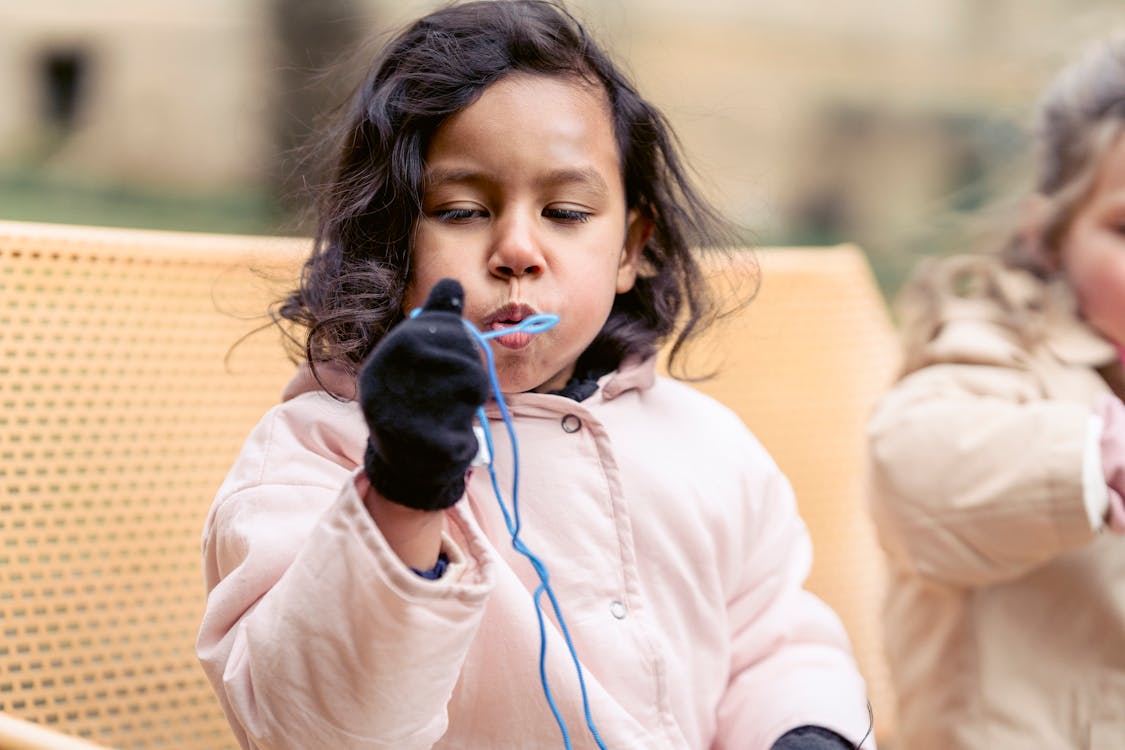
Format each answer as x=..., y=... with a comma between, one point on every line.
x=889, y=124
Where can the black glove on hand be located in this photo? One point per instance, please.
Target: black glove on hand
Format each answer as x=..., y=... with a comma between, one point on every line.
x=812, y=738
x=419, y=390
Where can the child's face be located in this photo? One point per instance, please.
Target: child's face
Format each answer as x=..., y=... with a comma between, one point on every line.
x=1093, y=249
x=525, y=206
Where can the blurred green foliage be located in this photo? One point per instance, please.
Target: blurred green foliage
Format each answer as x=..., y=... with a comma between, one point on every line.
x=32, y=195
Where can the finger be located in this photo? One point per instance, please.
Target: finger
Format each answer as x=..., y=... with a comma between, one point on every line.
x=447, y=296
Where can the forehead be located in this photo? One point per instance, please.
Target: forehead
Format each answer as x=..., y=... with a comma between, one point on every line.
x=527, y=119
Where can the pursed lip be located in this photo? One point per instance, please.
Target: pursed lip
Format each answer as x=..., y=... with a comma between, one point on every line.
x=507, y=316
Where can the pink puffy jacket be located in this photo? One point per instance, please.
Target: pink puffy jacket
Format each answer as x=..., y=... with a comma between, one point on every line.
x=672, y=541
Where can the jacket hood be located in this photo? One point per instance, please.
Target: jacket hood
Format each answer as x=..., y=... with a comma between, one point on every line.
x=335, y=379
x=975, y=309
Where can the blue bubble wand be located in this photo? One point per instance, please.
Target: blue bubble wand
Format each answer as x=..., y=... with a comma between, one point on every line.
x=533, y=325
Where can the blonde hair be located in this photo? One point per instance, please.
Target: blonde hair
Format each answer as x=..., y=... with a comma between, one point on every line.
x=1080, y=117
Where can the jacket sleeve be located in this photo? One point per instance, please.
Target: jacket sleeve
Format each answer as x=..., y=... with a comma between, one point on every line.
x=791, y=661
x=314, y=633
x=971, y=488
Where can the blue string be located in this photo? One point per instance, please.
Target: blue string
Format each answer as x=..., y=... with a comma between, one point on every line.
x=534, y=324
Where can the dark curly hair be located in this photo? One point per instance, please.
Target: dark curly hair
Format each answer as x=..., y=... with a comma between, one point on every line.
x=352, y=285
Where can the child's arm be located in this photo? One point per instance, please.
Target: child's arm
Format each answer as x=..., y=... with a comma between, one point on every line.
x=315, y=634
x=1111, y=411
x=414, y=535
x=971, y=487
x=420, y=390
x=791, y=662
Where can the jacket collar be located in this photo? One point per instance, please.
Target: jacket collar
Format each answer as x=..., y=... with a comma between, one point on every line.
x=335, y=379
x=1070, y=337
x=340, y=381
x=634, y=374
x=1005, y=311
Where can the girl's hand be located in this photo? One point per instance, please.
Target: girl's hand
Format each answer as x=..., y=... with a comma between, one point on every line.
x=1112, y=412
x=419, y=390
x=812, y=738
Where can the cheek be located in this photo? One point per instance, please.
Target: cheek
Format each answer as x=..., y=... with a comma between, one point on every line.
x=428, y=266
x=417, y=286
x=412, y=299
x=1101, y=295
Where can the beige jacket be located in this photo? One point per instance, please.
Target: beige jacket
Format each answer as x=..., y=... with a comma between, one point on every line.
x=1005, y=616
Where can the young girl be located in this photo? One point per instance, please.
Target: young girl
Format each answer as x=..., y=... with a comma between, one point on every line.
x=364, y=586
x=999, y=459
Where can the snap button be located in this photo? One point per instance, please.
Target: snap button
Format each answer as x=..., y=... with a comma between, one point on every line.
x=617, y=609
x=571, y=423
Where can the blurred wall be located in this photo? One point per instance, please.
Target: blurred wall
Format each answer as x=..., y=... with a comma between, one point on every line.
x=136, y=91
x=874, y=121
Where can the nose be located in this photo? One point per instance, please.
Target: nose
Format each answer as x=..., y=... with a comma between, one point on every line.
x=515, y=249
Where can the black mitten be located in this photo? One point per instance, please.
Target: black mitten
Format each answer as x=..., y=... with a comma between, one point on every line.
x=419, y=390
x=812, y=738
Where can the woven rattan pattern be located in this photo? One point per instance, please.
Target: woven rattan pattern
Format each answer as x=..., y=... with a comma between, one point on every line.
x=120, y=413
x=119, y=416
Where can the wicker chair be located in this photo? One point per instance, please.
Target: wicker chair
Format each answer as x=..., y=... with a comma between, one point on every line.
x=123, y=403
x=120, y=412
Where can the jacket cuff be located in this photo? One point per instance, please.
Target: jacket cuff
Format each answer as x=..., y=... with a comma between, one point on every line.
x=469, y=568
x=1095, y=493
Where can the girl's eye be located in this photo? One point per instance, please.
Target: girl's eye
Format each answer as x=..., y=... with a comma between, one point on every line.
x=457, y=214
x=566, y=215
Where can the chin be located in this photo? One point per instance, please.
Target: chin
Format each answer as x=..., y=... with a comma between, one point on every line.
x=523, y=381
x=518, y=382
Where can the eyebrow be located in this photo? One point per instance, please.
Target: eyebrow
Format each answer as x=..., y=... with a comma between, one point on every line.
x=582, y=176
x=587, y=176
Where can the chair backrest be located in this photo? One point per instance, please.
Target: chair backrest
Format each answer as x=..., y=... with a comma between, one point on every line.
x=123, y=404
x=802, y=364
x=120, y=413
